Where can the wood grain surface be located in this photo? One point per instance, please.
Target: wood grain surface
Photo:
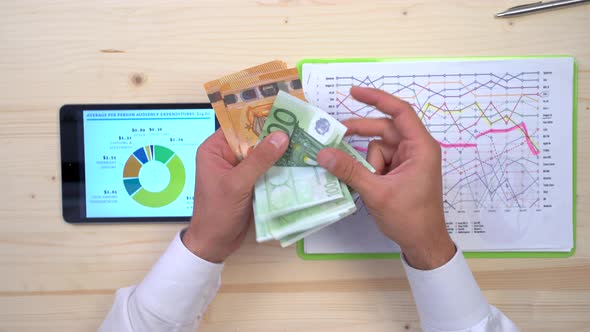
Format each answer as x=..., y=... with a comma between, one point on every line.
x=59, y=277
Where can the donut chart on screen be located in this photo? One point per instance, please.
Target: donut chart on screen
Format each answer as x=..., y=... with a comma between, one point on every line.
x=154, y=176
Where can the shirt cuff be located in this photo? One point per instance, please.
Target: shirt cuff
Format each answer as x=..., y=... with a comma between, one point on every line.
x=180, y=286
x=447, y=298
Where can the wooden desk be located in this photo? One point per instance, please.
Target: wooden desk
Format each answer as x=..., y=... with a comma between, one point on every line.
x=58, y=277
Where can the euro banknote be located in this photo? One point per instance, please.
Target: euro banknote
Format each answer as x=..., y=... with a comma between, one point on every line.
x=309, y=128
x=282, y=190
x=311, y=218
x=212, y=88
x=242, y=101
x=293, y=226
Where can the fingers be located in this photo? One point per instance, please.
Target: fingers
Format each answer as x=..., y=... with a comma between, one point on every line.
x=382, y=127
x=216, y=145
x=216, y=139
x=266, y=153
x=348, y=170
x=379, y=155
x=224, y=148
x=405, y=119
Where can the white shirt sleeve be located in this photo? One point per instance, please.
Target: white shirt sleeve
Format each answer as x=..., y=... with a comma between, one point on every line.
x=449, y=299
x=172, y=297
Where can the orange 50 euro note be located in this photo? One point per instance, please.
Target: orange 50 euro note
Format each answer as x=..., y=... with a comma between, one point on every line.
x=243, y=100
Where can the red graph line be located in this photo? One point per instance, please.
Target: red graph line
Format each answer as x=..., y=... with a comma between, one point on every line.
x=445, y=109
x=521, y=126
x=361, y=149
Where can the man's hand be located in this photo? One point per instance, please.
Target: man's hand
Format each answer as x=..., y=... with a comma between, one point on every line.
x=223, y=194
x=405, y=194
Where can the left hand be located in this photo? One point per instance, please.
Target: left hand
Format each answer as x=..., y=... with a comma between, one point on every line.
x=223, y=194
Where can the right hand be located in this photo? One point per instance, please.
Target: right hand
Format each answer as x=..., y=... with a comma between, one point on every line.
x=405, y=194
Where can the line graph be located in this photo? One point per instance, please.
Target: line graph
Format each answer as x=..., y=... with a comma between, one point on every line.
x=488, y=125
x=504, y=127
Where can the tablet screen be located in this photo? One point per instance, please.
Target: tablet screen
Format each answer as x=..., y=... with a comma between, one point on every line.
x=141, y=163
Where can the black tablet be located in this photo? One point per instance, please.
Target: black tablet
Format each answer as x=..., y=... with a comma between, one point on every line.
x=131, y=162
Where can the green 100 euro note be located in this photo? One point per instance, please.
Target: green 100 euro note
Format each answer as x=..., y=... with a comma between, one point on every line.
x=282, y=190
x=296, y=225
x=289, y=227
x=310, y=129
x=296, y=197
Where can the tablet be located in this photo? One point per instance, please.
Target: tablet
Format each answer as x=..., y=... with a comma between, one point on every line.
x=131, y=162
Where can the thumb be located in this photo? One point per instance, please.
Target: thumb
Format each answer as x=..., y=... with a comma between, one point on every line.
x=347, y=169
x=264, y=155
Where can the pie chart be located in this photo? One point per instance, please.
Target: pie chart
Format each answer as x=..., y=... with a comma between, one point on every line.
x=154, y=176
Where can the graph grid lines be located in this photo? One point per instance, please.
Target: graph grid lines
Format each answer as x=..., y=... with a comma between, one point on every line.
x=487, y=124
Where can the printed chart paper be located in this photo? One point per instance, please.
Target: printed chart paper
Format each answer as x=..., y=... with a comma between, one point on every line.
x=505, y=131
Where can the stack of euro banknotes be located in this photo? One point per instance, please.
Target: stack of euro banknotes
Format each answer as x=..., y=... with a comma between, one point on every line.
x=295, y=197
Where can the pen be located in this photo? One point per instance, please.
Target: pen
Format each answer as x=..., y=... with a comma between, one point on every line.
x=537, y=6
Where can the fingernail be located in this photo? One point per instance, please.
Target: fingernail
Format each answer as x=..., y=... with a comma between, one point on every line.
x=279, y=139
x=326, y=160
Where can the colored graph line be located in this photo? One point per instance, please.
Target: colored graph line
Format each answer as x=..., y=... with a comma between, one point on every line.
x=522, y=127
x=460, y=110
x=361, y=149
x=443, y=92
x=505, y=119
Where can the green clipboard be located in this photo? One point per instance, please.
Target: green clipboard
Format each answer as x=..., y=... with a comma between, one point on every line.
x=516, y=254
